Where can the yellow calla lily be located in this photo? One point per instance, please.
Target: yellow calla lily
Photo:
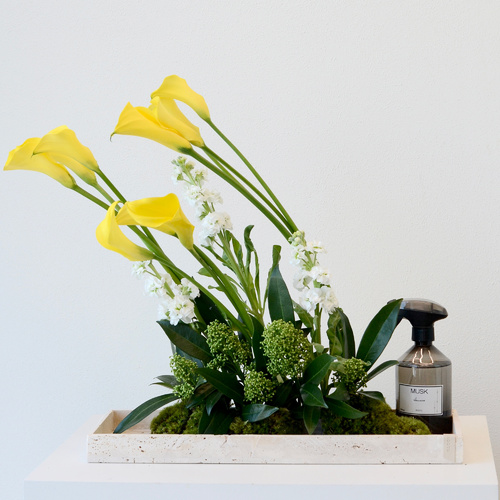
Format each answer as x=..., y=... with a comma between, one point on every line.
x=143, y=122
x=174, y=87
x=169, y=115
x=163, y=213
x=110, y=236
x=63, y=142
x=22, y=158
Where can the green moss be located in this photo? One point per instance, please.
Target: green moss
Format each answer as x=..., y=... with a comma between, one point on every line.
x=280, y=422
x=380, y=420
x=194, y=421
x=177, y=419
x=171, y=420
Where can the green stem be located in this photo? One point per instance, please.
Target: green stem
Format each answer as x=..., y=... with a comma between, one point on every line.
x=233, y=182
x=111, y=186
x=224, y=283
x=91, y=197
x=224, y=164
x=104, y=193
x=243, y=276
x=255, y=173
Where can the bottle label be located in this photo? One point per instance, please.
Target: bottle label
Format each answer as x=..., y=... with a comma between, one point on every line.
x=421, y=399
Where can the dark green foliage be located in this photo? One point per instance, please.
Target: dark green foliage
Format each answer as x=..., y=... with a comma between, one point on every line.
x=280, y=422
x=380, y=420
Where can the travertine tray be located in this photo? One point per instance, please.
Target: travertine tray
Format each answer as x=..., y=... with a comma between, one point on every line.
x=138, y=445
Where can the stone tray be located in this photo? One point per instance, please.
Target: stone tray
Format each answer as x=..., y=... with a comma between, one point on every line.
x=138, y=445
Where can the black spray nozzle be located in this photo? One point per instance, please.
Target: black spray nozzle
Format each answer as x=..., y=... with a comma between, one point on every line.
x=421, y=314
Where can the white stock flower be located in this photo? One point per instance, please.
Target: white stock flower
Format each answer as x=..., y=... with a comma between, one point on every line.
x=178, y=308
x=301, y=279
x=158, y=287
x=187, y=289
x=199, y=173
x=320, y=275
x=139, y=268
x=214, y=223
x=315, y=247
x=329, y=300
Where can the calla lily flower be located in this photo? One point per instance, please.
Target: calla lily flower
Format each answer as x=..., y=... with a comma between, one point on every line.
x=143, y=122
x=163, y=213
x=174, y=87
x=110, y=236
x=169, y=115
x=22, y=158
x=63, y=142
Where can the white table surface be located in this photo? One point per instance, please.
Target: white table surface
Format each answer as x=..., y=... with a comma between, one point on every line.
x=66, y=475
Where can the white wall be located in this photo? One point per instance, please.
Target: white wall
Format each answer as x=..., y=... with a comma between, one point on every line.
x=377, y=123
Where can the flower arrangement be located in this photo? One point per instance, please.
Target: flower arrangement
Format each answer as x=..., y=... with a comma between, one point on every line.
x=246, y=356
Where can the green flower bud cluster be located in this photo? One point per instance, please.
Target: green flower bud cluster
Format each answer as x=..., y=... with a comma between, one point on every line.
x=286, y=348
x=184, y=371
x=352, y=373
x=225, y=346
x=258, y=388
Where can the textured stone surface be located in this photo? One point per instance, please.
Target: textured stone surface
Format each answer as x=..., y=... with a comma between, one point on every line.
x=139, y=446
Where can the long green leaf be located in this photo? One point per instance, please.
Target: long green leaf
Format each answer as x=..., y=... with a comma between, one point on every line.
x=168, y=380
x=380, y=368
x=217, y=422
x=224, y=382
x=257, y=348
x=207, y=308
x=186, y=339
x=212, y=400
x=317, y=369
x=278, y=298
x=283, y=393
x=312, y=396
x=340, y=334
x=256, y=412
x=379, y=332
x=343, y=409
x=201, y=393
x=143, y=411
x=311, y=415
x=373, y=395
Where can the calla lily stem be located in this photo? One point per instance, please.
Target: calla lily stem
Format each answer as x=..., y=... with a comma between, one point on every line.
x=233, y=182
x=255, y=173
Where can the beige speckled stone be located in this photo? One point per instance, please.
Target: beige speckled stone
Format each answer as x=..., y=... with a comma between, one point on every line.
x=137, y=445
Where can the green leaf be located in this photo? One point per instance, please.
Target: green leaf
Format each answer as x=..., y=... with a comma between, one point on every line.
x=257, y=348
x=312, y=396
x=304, y=316
x=317, y=369
x=311, y=415
x=201, y=393
x=380, y=368
x=207, y=309
x=212, y=400
x=379, y=332
x=205, y=272
x=278, y=299
x=256, y=412
x=217, y=422
x=343, y=409
x=340, y=393
x=186, y=339
x=143, y=411
x=373, y=395
x=340, y=334
x=168, y=380
x=224, y=382
x=248, y=242
x=283, y=393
